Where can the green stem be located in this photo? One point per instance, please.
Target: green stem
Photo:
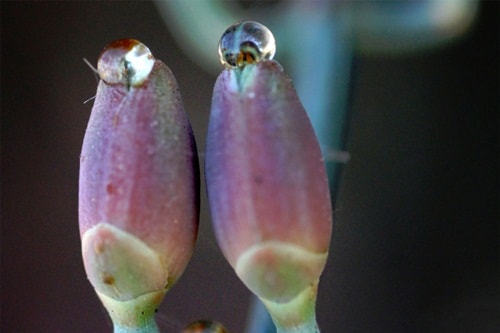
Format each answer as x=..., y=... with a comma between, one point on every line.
x=149, y=326
x=297, y=315
x=307, y=327
x=135, y=315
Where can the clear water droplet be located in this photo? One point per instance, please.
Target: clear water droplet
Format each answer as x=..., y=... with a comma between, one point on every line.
x=245, y=43
x=125, y=61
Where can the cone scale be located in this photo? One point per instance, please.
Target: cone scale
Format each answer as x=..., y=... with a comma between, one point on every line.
x=268, y=190
x=138, y=188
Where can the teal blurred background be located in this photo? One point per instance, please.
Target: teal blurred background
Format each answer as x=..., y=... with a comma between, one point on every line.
x=415, y=245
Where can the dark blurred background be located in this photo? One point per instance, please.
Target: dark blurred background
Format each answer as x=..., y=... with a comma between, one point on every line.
x=415, y=245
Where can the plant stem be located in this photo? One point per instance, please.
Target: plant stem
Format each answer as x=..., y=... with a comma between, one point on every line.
x=149, y=326
x=307, y=327
x=298, y=315
x=136, y=315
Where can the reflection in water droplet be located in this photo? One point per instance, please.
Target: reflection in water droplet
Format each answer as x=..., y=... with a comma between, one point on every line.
x=125, y=61
x=245, y=43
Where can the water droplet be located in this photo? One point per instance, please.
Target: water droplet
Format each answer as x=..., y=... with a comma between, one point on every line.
x=245, y=43
x=205, y=326
x=125, y=61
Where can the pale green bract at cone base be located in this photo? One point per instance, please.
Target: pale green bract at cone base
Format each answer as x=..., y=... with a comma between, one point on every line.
x=285, y=277
x=279, y=271
x=120, y=265
x=127, y=275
